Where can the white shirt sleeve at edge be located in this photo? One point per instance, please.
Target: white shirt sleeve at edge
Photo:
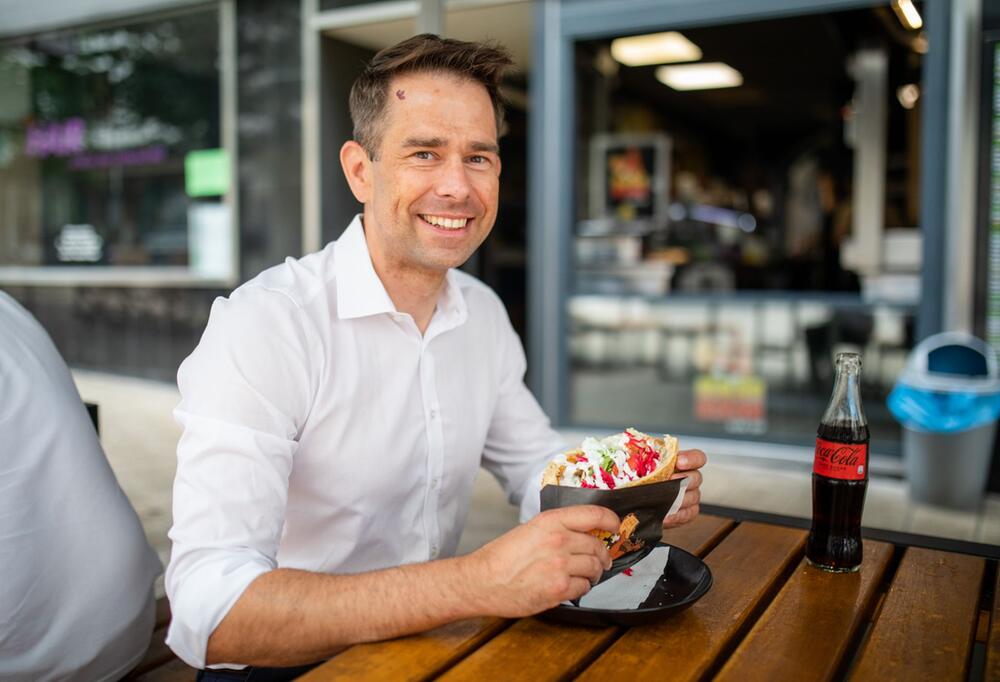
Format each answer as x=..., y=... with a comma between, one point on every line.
x=521, y=439
x=244, y=395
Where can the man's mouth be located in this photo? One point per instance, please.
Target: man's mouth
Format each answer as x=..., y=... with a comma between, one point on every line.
x=445, y=223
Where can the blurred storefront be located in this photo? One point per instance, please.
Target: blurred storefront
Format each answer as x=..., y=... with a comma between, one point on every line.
x=679, y=254
x=133, y=188
x=732, y=191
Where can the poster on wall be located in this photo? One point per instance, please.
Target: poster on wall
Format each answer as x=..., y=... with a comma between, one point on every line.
x=630, y=177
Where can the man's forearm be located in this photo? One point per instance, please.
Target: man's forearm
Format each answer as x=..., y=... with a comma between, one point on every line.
x=290, y=617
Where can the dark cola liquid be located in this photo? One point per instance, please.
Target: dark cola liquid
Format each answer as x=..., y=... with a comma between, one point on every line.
x=835, y=538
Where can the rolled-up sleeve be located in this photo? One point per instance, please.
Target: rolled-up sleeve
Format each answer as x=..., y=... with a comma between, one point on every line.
x=245, y=393
x=521, y=440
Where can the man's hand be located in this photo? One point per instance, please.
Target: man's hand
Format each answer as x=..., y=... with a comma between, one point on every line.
x=688, y=464
x=543, y=562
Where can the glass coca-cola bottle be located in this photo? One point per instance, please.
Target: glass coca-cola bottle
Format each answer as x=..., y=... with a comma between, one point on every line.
x=840, y=474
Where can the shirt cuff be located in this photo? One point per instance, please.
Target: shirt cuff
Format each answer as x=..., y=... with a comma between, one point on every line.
x=202, y=596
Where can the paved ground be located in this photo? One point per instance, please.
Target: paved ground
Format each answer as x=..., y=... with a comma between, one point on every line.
x=139, y=436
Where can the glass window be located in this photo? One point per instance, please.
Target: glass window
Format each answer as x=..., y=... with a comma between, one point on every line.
x=110, y=149
x=748, y=204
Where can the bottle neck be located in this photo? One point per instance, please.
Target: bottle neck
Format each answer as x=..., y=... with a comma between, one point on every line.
x=845, y=403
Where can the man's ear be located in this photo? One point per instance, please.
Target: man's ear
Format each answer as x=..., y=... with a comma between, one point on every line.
x=357, y=169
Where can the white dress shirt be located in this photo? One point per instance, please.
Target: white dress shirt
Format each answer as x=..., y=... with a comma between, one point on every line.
x=76, y=572
x=323, y=432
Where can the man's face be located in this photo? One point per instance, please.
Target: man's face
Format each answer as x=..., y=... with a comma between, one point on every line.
x=433, y=190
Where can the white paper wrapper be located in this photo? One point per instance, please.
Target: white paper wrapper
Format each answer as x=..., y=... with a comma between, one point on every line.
x=679, y=500
x=625, y=591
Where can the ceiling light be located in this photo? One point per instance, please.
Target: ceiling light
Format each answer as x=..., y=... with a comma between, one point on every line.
x=908, y=14
x=654, y=48
x=699, y=76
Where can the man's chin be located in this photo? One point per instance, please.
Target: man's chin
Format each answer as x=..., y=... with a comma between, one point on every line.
x=446, y=261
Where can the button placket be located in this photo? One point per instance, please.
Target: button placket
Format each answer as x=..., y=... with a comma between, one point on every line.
x=435, y=454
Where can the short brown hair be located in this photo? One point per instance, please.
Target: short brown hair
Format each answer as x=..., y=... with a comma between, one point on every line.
x=483, y=63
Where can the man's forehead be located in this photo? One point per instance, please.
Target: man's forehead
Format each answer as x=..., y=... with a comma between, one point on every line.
x=419, y=104
x=407, y=86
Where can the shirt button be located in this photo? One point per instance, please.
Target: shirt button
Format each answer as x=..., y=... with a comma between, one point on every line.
x=434, y=414
x=434, y=484
x=434, y=551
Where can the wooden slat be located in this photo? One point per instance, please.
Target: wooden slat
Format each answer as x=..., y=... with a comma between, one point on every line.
x=993, y=641
x=175, y=670
x=926, y=627
x=700, y=534
x=537, y=650
x=162, y=612
x=806, y=632
x=746, y=567
x=534, y=650
x=417, y=657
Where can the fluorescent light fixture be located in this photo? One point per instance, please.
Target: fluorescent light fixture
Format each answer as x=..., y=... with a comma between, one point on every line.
x=908, y=14
x=654, y=48
x=706, y=76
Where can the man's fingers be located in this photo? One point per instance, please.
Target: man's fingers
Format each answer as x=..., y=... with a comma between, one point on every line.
x=694, y=478
x=586, y=517
x=690, y=459
x=691, y=498
x=577, y=588
x=585, y=543
x=685, y=515
x=585, y=566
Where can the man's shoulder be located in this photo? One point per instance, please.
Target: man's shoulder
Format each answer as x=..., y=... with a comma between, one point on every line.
x=298, y=281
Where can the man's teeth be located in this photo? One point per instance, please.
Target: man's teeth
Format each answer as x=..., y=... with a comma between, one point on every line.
x=446, y=223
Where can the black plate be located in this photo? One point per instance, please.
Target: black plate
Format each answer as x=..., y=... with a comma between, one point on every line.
x=685, y=579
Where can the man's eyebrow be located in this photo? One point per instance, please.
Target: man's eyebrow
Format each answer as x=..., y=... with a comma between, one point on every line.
x=485, y=147
x=432, y=142
x=438, y=142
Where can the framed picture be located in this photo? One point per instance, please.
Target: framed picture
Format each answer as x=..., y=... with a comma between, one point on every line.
x=630, y=177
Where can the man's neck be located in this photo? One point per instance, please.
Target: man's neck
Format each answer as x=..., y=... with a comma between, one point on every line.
x=412, y=290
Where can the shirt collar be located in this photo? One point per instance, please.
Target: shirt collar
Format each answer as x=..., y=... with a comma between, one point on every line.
x=451, y=302
x=360, y=292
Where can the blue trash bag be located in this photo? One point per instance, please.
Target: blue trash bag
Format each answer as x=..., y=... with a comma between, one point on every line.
x=951, y=383
x=924, y=410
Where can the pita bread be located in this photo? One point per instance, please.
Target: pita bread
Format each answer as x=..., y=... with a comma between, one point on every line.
x=666, y=446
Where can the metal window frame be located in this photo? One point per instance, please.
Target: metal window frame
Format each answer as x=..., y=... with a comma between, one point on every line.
x=558, y=26
x=160, y=275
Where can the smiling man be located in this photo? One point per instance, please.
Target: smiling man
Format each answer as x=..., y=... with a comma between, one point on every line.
x=338, y=408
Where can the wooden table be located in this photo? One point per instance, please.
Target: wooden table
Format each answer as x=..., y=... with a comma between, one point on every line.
x=910, y=614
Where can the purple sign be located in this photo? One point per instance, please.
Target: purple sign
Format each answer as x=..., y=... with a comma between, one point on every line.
x=125, y=157
x=61, y=138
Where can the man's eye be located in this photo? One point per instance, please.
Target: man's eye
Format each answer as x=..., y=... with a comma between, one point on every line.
x=426, y=156
x=478, y=159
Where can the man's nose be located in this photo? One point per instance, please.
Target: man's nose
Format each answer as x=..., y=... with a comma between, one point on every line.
x=453, y=182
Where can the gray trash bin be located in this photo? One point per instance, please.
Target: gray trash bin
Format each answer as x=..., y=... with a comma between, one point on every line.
x=948, y=400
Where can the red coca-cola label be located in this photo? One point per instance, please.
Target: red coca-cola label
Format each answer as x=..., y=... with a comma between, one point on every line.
x=846, y=461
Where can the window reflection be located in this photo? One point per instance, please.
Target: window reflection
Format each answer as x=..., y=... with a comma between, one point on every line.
x=110, y=147
x=743, y=214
